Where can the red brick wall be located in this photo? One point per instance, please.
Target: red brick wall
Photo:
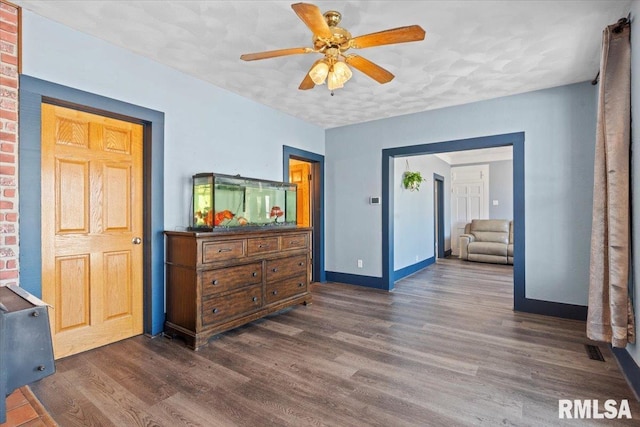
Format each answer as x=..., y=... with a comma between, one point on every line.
x=9, y=62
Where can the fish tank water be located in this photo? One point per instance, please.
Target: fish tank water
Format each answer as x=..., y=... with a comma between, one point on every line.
x=226, y=201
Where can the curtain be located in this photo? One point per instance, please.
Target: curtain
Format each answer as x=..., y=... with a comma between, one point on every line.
x=610, y=314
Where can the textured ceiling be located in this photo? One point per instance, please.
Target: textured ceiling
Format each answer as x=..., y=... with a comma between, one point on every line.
x=495, y=154
x=473, y=50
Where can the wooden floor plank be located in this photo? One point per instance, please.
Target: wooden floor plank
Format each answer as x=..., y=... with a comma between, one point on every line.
x=444, y=348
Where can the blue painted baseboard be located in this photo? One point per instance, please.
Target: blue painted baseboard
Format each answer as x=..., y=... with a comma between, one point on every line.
x=410, y=269
x=629, y=369
x=377, y=282
x=356, y=279
x=550, y=308
x=527, y=305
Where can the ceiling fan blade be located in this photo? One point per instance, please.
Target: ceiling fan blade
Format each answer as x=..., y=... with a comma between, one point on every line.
x=372, y=70
x=411, y=33
x=275, y=53
x=307, y=83
x=312, y=17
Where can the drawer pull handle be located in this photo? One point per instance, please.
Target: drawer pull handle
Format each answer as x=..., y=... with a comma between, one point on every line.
x=41, y=368
x=300, y=285
x=214, y=282
x=254, y=274
x=224, y=250
x=35, y=314
x=301, y=264
x=293, y=242
x=263, y=246
x=275, y=269
x=275, y=292
x=214, y=311
x=254, y=299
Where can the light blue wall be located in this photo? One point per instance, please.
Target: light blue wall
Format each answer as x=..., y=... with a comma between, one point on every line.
x=207, y=129
x=559, y=127
x=413, y=213
x=634, y=349
x=501, y=189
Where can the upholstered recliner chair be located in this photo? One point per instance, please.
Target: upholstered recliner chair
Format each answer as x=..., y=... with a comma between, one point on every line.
x=488, y=240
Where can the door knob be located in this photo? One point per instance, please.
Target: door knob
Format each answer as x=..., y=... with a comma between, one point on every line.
x=136, y=240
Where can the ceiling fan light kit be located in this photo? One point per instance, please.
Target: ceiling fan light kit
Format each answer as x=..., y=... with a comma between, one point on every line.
x=332, y=42
x=339, y=74
x=336, y=74
x=319, y=72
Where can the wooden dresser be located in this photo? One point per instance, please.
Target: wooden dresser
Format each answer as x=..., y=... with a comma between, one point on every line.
x=223, y=279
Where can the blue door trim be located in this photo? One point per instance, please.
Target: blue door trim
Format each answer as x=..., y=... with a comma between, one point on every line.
x=33, y=92
x=516, y=140
x=319, y=273
x=512, y=139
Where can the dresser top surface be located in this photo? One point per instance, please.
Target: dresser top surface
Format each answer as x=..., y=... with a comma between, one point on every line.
x=253, y=232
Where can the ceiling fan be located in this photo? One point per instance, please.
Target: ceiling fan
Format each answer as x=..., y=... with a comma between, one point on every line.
x=333, y=42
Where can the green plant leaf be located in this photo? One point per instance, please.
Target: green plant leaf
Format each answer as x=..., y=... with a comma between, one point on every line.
x=412, y=180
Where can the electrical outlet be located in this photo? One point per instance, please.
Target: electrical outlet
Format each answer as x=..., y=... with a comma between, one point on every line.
x=416, y=258
x=359, y=263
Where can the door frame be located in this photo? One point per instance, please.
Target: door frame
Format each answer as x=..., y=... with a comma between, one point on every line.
x=34, y=92
x=438, y=223
x=516, y=140
x=317, y=163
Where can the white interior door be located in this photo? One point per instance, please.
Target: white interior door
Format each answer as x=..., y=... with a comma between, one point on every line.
x=469, y=199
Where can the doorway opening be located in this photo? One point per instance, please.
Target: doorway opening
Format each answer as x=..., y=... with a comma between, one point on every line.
x=391, y=155
x=33, y=93
x=306, y=170
x=438, y=216
x=300, y=173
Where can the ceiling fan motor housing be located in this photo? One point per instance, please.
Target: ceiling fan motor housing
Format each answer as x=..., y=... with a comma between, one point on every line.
x=340, y=37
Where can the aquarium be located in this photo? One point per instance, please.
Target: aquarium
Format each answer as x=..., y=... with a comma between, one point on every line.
x=225, y=201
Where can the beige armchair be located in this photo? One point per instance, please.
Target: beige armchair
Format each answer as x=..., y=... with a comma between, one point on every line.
x=488, y=240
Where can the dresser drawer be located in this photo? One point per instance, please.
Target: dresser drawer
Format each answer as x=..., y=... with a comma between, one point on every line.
x=220, y=251
x=218, y=309
x=286, y=288
x=279, y=269
x=264, y=245
x=227, y=279
x=294, y=241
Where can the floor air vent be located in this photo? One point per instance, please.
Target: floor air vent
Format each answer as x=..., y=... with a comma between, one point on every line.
x=594, y=352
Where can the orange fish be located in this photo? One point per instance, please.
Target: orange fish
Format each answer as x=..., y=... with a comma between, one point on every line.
x=221, y=216
x=276, y=211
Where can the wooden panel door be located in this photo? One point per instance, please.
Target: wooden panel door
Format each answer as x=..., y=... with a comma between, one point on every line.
x=91, y=228
x=469, y=199
x=299, y=173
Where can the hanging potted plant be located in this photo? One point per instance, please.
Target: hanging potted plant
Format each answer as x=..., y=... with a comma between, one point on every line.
x=412, y=180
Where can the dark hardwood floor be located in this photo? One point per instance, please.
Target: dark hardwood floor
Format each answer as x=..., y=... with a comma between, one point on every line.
x=443, y=349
